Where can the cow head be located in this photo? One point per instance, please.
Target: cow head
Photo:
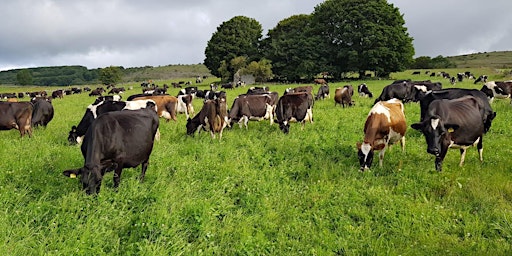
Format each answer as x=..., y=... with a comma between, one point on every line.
x=89, y=177
x=73, y=136
x=285, y=127
x=365, y=153
x=191, y=126
x=437, y=134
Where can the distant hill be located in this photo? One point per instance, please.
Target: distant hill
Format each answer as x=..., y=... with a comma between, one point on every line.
x=498, y=60
x=79, y=75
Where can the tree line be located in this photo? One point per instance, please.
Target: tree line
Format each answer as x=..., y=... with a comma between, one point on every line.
x=340, y=38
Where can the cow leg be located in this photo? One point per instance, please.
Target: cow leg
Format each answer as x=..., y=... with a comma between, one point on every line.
x=480, y=147
x=462, y=155
x=117, y=174
x=402, y=143
x=144, y=168
x=245, y=121
x=381, y=155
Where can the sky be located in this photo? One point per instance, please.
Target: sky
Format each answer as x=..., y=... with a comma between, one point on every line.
x=133, y=33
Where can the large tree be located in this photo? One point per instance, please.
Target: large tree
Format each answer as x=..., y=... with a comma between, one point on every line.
x=111, y=75
x=363, y=35
x=24, y=77
x=239, y=36
x=293, y=49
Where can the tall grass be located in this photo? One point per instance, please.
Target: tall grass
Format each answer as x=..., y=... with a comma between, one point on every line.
x=259, y=191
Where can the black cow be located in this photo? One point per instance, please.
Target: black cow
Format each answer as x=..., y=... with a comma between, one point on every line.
x=227, y=86
x=210, y=118
x=57, y=94
x=363, y=91
x=402, y=90
x=292, y=107
x=452, y=123
x=453, y=93
x=323, y=92
x=91, y=113
x=43, y=112
x=192, y=90
x=16, y=115
x=251, y=107
x=129, y=144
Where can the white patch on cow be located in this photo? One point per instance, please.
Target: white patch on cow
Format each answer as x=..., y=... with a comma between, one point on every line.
x=379, y=108
x=80, y=139
x=421, y=88
x=434, y=123
x=116, y=98
x=366, y=148
x=166, y=115
x=138, y=104
x=393, y=137
x=93, y=109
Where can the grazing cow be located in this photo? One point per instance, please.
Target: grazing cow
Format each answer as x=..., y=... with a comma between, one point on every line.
x=455, y=123
x=294, y=107
x=97, y=92
x=500, y=90
x=320, y=81
x=323, y=92
x=460, y=77
x=482, y=78
x=384, y=126
x=16, y=115
x=416, y=73
x=185, y=105
x=42, y=112
x=343, y=96
x=251, y=107
x=364, y=91
x=129, y=144
x=453, y=81
x=116, y=90
x=227, y=86
x=210, y=118
x=57, y=94
x=258, y=90
x=192, y=90
x=453, y=93
x=402, y=90
x=166, y=105
x=299, y=89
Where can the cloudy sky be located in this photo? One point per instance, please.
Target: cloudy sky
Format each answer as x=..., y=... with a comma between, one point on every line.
x=132, y=33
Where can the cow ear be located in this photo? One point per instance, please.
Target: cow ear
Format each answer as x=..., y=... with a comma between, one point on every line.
x=451, y=127
x=358, y=145
x=417, y=126
x=72, y=173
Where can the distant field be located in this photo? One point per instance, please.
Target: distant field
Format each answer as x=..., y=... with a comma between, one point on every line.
x=259, y=191
x=497, y=60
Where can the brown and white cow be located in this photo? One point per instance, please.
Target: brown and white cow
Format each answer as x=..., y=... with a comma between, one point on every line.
x=320, y=81
x=16, y=115
x=166, y=105
x=343, y=96
x=384, y=126
x=210, y=118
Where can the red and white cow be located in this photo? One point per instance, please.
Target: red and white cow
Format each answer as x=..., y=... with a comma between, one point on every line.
x=385, y=125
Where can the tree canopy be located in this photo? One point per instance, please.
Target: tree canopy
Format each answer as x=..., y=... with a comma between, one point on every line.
x=110, y=75
x=293, y=48
x=239, y=36
x=363, y=35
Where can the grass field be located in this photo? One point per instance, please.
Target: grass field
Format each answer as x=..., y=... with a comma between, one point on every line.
x=259, y=191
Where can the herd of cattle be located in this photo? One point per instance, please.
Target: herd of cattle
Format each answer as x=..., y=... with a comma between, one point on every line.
x=450, y=118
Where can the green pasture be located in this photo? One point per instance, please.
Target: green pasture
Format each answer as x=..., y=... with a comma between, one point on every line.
x=259, y=191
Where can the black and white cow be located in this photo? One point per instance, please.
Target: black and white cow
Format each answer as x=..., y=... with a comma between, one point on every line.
x=251, y=107
x=453, y=93
x=185, y=105
x=482, y=78
x=500, y=90
x=323, y=92
x=455, y=123
x=294, y=107
x=210, y=118
x=364, y=91
x=129, y=144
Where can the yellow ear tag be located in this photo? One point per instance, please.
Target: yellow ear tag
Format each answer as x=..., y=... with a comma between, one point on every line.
x=72, y=175
x=451, y=130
